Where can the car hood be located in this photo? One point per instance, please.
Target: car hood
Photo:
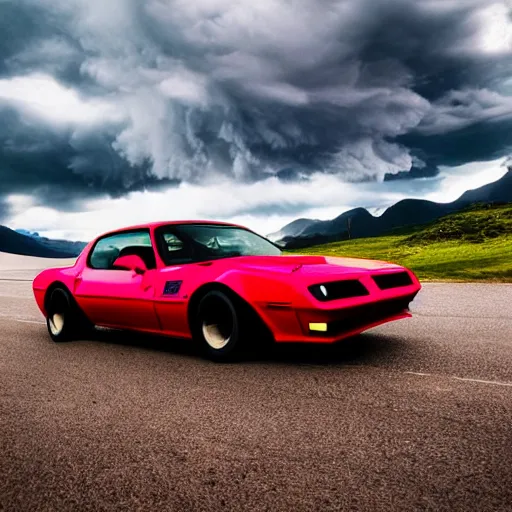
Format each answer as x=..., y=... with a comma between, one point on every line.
x=316, y=265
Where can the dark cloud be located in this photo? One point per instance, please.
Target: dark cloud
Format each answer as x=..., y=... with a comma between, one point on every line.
x=170, y=91
x=35, y=39
x=50, y=164
x=19, y=26
x=477, y=142
x=414, y=173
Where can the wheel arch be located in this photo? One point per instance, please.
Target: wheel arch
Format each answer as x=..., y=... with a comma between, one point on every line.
x=198, y=294
x=53, y=286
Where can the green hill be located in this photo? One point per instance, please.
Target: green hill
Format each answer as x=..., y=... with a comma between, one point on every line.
x=472, y=245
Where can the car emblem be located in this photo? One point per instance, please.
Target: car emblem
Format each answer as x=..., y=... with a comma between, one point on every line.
x=172, y=287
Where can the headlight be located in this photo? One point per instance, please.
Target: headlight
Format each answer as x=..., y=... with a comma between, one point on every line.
x=320, y=292
x=338, y=290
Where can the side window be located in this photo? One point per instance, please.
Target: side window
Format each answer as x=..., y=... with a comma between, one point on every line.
x=108, y=249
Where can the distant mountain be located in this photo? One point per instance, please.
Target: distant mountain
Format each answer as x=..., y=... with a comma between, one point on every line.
x=359, y=223
x=32, y=244
x=496, y=192
x=295, y=228
x=27, y=233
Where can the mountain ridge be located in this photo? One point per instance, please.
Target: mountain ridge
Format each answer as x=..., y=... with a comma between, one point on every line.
x=360, y=223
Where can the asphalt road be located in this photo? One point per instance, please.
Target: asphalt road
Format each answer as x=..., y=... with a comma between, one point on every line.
x=415, y=415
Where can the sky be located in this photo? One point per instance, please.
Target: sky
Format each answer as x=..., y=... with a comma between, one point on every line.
x=121, y=112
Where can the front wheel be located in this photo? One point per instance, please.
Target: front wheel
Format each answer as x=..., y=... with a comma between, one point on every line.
x=217, y=326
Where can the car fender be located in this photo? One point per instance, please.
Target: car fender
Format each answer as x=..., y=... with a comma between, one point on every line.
x=274, y=298
x=65, y=277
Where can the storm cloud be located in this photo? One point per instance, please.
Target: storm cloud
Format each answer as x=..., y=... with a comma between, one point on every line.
x=103, y=98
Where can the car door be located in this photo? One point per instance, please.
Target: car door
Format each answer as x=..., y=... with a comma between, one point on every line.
x=173, y=284
x=119, y=297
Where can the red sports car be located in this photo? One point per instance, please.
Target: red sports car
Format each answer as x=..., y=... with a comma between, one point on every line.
x=218, y=284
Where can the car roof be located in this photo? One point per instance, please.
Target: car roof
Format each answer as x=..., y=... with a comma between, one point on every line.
x=154, y=225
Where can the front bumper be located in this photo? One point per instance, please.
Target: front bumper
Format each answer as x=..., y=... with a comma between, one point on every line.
x=331, y=326
x=329, y=322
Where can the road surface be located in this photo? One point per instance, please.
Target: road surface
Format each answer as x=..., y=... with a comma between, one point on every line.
x=415, y=415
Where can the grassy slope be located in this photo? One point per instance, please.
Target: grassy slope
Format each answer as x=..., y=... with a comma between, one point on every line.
x=472, y=245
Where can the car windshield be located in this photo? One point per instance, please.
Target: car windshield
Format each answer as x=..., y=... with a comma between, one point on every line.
x=187, y=243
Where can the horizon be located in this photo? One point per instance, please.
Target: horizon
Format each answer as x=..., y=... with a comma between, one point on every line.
x=375, y=212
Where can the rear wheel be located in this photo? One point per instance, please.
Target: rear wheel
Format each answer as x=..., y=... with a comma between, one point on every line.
x=64, y=320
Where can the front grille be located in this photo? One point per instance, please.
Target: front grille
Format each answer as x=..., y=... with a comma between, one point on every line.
x=339, y=290
x=360, y=316
x=395, y=280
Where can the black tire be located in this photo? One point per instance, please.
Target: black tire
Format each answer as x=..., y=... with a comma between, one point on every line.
x=218, y=326
x=64, y=319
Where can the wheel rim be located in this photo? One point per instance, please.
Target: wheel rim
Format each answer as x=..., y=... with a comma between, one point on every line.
x=56, y=323
x=217, y=325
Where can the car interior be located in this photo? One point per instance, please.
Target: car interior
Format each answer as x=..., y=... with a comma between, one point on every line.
x=106, y=257
x=146, y=254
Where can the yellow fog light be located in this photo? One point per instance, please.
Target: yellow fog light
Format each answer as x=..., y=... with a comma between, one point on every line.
x=318, y=327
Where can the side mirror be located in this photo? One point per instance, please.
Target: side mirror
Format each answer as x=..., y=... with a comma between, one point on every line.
x=131, y=262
